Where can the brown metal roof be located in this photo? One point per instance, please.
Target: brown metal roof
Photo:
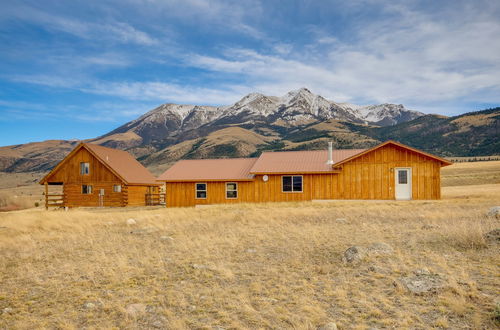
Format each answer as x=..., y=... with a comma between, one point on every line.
x=237, y=169
x=123, y=164
x=299, y=161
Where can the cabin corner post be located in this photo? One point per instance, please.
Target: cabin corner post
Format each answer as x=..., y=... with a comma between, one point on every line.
x=46, y=195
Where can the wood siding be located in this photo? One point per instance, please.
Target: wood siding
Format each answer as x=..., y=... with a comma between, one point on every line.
x=370, y=176
x=99, y=177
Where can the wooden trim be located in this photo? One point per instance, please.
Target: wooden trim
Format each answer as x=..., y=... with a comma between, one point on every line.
x=442, y=160
x=297, y=172
x=46, y=195
x=205, y=180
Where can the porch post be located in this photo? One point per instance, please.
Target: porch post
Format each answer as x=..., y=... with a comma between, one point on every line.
x=46, y=195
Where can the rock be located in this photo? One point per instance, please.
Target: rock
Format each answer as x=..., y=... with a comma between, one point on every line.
x=328, y=326
x=380, y=248
x=166, y=238
x=7, y=310
x=131, y=222
x=423, y=282
x=355, y=254
x=494, y=212
x=493, y=236
x=251, y=251
x=135, y=309
x=429, y=227
x=341, y=220
x=89, y=305
x=144, y=231
x=198, y=266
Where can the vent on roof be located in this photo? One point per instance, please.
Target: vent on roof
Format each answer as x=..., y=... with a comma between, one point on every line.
x=107, y=158
x=330, y=153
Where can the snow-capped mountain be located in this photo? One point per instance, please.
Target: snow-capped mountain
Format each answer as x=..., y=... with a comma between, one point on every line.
x=296, y=107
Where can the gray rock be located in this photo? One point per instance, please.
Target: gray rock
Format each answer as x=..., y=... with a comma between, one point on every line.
x=251, y=251
x=429, y=227
x=131, y=222
x=144, y=231
x=135, y=309
x=355, y=254
x=89, y=305
x=328, y=326
x=493, y=236
x=166, y=238
x=341, y=220
x=494, y=212
x=7, y=310
x=423, y=282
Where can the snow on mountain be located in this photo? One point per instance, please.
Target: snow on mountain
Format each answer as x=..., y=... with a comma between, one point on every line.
x=295, y=107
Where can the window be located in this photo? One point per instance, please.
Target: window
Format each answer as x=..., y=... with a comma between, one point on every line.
x=84, y=168
x=86, y=189
x=231, y=190
x=201, y=190
x=292, y=183
x=402, y=176
x=117, y=188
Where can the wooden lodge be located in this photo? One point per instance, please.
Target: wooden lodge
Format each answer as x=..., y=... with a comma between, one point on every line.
x=92, y=175
x=389, y=171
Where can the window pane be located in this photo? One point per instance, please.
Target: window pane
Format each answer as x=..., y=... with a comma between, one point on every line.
x=201, y=194
x=287, y=183
x=89, y=189
x=201, y=186
x=117, y=188
x=231, y=194
x=231, y=186
x=297, y=183
x=403, y=177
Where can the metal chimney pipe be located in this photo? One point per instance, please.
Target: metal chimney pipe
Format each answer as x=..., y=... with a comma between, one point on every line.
x=330, y=153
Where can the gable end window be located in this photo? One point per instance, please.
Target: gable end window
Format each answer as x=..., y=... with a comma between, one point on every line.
x=117, y=188
x=292, y=183
x=84, y=168
x=231, y=190
x=86, y=189
x=201, y=190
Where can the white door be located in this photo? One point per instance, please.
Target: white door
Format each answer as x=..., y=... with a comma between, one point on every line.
x=403, y=183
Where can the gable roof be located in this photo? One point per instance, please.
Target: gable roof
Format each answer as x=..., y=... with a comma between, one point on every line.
x=236, y=169
x=120, y=162
x=299, y=161
x=443, y=161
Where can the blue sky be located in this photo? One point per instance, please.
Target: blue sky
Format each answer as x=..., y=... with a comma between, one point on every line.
x=77, y=69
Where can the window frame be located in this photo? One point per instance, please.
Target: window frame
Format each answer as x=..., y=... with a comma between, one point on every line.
x=119, y=189
x=196, y=190
x=91, y=189
x=235, y=190
x=85, y=166
x=293, y=191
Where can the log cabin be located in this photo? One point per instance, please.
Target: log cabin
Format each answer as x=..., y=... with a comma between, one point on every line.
x=92, y=175
x=388, y=171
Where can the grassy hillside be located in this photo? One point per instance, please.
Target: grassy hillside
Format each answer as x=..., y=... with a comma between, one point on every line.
x=252, y=266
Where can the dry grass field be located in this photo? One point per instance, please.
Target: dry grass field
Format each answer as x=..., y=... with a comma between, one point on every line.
x=252, y=266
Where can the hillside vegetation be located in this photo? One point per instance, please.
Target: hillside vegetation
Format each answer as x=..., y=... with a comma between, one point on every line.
x=253, y=266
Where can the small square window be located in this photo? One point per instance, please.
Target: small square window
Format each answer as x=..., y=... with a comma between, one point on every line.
x=84, y=168
x=86, y=189
x=117, y=188
x=201, y=190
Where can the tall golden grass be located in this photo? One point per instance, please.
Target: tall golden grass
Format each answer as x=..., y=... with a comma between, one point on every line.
x=250, y=266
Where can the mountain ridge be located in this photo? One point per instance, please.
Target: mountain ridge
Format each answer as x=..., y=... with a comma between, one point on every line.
x=299, y=120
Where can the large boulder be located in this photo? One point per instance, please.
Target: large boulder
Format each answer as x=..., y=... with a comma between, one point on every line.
x=422, y=282
x=356, y=254
x=494, y=212
x=328, y=326
x=493, y=236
